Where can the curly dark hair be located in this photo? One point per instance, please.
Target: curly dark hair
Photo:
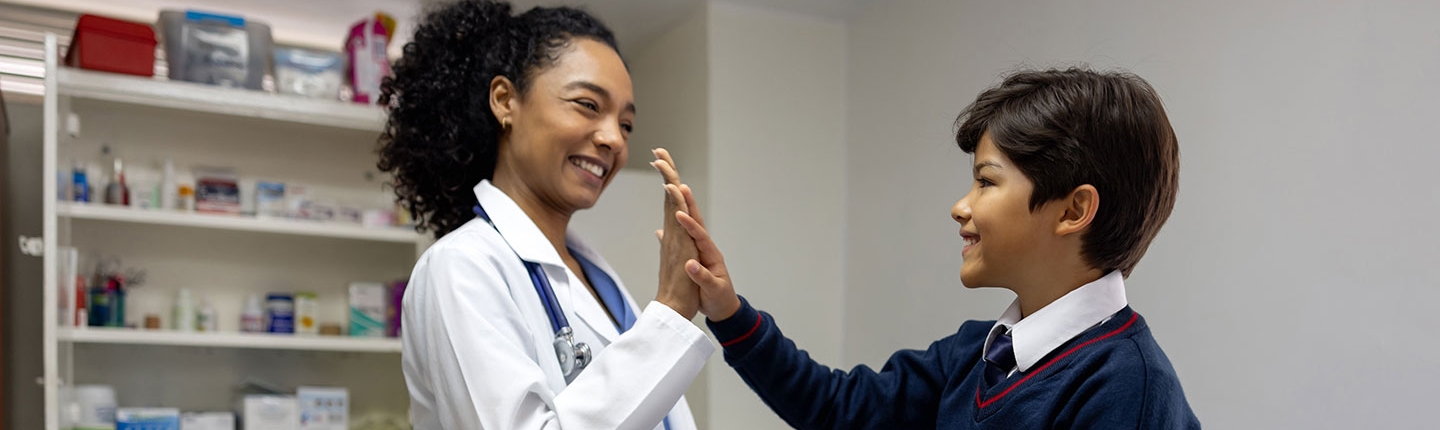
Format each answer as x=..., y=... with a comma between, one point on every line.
x=441, y=137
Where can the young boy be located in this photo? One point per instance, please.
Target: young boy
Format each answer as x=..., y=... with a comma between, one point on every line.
x=1075, y=173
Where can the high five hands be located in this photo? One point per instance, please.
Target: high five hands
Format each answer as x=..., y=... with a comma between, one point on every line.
x=692, y=269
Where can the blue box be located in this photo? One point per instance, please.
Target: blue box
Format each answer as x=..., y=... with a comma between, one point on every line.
x=270, y=199
x=147, y=419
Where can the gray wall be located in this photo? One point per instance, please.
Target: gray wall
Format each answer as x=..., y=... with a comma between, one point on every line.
x=1296, y=284
x=777, y=181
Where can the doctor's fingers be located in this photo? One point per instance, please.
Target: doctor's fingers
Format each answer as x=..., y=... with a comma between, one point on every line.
x=672, y=203
x=690, y=204
x=667, y=169
x=667, y=173
x=674, y=200
x=673, y=239
x=663, y=154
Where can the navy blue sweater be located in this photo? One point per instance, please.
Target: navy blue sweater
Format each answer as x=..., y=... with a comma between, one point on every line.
x=1113, y=376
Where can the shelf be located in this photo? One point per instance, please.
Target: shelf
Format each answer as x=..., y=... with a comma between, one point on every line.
x=125, y=336
x=102, y=212
x=190, y=96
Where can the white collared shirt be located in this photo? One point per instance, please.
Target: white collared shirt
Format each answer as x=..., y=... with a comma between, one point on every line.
x=1067, y=317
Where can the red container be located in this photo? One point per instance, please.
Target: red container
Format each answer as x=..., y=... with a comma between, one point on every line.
x=112, y=45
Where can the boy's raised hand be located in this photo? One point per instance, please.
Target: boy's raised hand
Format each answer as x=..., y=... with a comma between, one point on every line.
x=717, y=294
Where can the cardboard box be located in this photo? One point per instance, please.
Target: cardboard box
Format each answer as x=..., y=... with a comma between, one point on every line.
x=324, y=408
x=207, y=421
x=367, y=309
x=269, y=412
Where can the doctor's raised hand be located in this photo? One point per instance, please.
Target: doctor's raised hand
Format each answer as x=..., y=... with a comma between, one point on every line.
x=676, y=290
x=686, y=248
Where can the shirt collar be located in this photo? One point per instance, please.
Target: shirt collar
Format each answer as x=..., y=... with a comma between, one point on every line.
x=1037, y=335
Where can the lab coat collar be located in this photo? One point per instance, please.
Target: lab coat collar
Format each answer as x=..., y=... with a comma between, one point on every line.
x=531, y=245
x=518, y=229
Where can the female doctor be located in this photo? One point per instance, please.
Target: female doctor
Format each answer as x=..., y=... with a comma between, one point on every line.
x=501, y=127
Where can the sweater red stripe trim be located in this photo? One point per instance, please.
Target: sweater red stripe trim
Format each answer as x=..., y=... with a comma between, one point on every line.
x=758, y=317
x=982, y=403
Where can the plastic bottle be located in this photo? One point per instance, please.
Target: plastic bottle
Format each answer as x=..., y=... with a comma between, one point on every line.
x=187, y=198
x=368, y=64
x=307, y=314
x=184, y=311
x=101, y=302
x=169, y=193
x=116, y=193
x=280, y=313
x=252, y=317
x=79, y=183
x=207, y=321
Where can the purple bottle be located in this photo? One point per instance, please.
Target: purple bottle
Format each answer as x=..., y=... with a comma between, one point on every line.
x=392, y=312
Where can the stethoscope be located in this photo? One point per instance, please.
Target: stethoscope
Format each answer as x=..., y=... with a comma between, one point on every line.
x=573, y=356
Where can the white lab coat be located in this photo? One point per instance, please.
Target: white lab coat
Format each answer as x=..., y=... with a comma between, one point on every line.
x=478, y=350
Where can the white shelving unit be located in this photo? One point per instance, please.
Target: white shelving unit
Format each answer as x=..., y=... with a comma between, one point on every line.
x=100, y=212
x=123, y=336
x=186, y=96
x=323, y=144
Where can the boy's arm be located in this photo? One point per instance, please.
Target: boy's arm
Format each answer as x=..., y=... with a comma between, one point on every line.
x=806, y=394
x=809, y=395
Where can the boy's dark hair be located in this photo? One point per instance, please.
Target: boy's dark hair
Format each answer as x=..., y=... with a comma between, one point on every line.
x=1066, y=128
x=441, y=137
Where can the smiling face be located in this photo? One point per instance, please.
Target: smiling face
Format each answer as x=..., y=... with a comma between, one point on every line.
x=568, y=131
x=1003, y=237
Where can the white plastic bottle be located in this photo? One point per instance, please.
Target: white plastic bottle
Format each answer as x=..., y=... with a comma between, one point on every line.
x=252, y=317
x=207, y=322
x=169, y=192
x=184, y=311
x=307, y=314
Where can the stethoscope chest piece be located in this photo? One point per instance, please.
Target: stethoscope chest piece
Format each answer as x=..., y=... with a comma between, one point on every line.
x=574, y=356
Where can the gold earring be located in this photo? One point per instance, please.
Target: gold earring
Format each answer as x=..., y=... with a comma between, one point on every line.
x=505, y=124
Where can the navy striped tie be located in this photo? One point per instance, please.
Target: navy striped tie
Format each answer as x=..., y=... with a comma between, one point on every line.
x=999, y=359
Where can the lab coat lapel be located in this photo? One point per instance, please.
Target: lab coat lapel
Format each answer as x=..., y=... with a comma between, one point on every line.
x=592, y=311
x=518, y=229
x=531, y=245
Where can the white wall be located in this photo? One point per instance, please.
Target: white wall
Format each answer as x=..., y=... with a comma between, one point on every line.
x=766, y=92
x=671, y=93
x=777, y=160
x=1293, y=287
x=672, y=98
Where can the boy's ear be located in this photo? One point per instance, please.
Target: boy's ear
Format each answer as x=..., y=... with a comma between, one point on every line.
x=1079, y=210
x=503, y=98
